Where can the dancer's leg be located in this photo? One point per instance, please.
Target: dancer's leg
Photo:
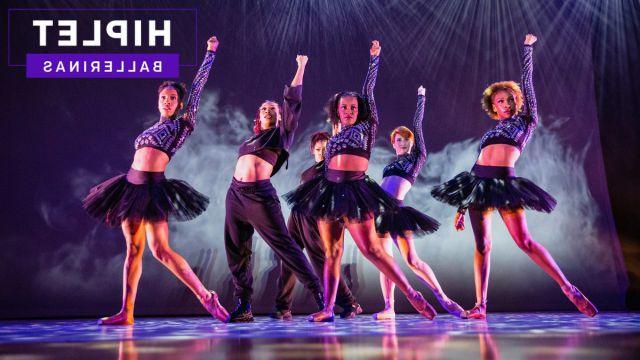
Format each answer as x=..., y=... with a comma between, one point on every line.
x=134, y=236
x=387, y=286
x=365, y=237
x=332, y=236
x=481, y=225
x=517, y=225
x=425, y=273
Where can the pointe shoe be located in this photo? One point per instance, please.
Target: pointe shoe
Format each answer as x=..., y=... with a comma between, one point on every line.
x=580, y=301
x=424, y=308
x=451, y=306
x=214, y=307
x=386, y=314
x=118, y=319
x=479, y=312
x=322, y=316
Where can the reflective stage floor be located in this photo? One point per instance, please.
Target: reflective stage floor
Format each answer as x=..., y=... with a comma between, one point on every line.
x=502, y=335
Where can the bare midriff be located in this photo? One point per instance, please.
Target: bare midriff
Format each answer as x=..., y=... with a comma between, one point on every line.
x=150, y=159
x=396, y=186
x=499, y=155
x=250, y=168
x=348, y=162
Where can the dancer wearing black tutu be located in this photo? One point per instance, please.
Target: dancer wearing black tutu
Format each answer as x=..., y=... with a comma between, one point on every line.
x=345, y=197
x=401, y=226
x=252, y=202
x=493, y=184
x=304, y=230
x=142, y=200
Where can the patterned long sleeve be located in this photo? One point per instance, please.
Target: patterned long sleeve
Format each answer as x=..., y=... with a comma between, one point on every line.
x=367, y=90
x=420, y=149
x=196, y=88
x=530, y=108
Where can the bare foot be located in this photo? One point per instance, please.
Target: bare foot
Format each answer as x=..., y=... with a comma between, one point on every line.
x=322, y=316
x=386, y=314
x=120, y=318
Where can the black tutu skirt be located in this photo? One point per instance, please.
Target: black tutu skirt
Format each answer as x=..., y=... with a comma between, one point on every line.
x=339, y=194
x=142, y=195
x=493, y=187
x=405, y=219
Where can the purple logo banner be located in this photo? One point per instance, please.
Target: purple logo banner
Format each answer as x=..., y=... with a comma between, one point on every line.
x=103, y=65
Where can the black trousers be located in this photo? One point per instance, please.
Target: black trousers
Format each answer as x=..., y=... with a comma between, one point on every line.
x=255, y=205
x=304, y=231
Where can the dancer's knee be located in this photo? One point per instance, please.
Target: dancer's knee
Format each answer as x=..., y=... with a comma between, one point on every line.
x=374, y=252
x=527, y=244
x=413, y=261
x=333, y=253
x=161, y=253
x=134, y=250
x=483, y=246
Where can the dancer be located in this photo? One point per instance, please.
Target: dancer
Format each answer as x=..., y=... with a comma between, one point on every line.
x=492, y=184
x=304, y=230
x=401, y=226
x=252, y=202
x=346, y=197
x=142, y=200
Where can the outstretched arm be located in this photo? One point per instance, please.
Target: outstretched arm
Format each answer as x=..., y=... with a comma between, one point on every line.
x=420, y=148
x=198, y=82
x=293, y=97
x=370, y=79
x=530, y=107
x=302, y=63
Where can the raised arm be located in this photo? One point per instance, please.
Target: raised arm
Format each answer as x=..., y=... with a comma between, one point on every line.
x=530, y=108
x=370, y=79
x=419, y=147
x=199, y=81
x=293, y=97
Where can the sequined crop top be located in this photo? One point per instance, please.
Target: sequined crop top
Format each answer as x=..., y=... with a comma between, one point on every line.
x=358, y=139
x=278, y=139
x=517, y=130
x=169, y=134
x=409, y=165
x=311, y=172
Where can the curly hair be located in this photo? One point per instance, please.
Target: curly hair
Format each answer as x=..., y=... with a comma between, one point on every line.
x=331, y=108
x=402, y=131
x=509, y=86
x=256, y=119
x=318, y=136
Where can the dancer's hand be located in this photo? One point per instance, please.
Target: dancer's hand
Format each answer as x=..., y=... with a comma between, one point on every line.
x=530, y=39
x=422, y=91
x=302, y=60
x=375, y=48
x=212, y=43
x=458, y=221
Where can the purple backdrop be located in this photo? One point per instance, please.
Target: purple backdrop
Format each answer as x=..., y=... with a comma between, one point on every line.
x=61, y=136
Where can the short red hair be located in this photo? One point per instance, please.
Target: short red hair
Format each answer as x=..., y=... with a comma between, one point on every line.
x=402, y=131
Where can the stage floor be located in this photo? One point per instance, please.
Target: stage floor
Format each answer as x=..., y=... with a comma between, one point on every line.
x=502, y=335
